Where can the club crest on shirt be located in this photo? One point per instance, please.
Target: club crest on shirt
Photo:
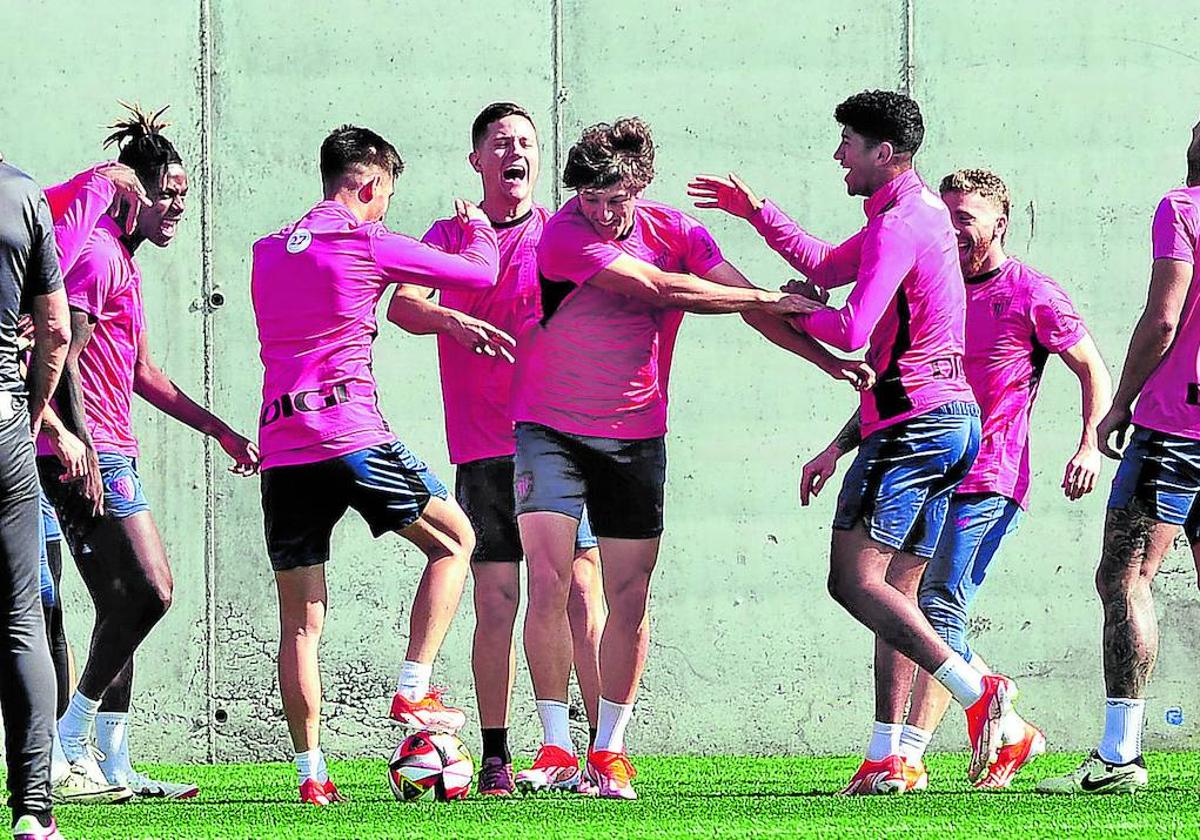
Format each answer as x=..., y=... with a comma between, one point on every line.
x=299, y=241
x=1000, y=305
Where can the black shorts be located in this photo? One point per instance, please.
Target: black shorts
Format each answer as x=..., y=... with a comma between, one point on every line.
x=484, y=489
x=620, y=481
x=388, y=485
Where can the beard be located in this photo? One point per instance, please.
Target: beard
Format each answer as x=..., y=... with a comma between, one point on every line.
x=977, y=256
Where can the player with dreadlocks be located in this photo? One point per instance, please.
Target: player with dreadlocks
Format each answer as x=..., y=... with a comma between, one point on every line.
x=118, y=552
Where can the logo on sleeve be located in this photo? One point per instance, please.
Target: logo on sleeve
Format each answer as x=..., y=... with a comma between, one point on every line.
x=299, y=241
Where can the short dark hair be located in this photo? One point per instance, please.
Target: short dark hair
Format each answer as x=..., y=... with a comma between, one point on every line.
x=494, y=113
x=143, y=148
x=611, y=154
x=884, y=116
x=351, y=146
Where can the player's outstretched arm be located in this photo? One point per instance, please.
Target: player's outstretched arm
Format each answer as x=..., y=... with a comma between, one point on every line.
x=642, y=281
x=156, y=388
x=1155, y=330
x=1095, y=386
x=821, y=468
x=413, y=310
x=888, y=254
x=820, y=261
x=780, y=333
x=402, y=259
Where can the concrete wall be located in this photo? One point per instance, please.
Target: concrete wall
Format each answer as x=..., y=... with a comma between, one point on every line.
x=1085, y=110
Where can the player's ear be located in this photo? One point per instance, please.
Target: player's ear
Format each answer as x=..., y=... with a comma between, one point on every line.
x=885, y=153
x=367, y=192
x=1001, y=227
x=473, y=159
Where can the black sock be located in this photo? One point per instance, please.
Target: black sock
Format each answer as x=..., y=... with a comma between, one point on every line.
x=495, y=743
x=591, y=739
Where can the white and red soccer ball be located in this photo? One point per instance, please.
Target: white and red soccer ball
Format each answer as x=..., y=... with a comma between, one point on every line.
x=431, y=765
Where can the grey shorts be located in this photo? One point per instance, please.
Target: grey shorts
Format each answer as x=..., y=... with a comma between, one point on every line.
x=619, y=481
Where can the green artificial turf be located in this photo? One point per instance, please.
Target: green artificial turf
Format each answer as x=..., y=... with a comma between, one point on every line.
x=680, y=796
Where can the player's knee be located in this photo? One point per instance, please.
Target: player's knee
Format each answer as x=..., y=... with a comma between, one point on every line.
x=158, y=599
x=497, y=604
x=837, y=586
x=549, y=585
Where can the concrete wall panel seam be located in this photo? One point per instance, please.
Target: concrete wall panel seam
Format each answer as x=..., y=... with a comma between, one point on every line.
x=560, y=95
x=206, y=289
x=908, y=70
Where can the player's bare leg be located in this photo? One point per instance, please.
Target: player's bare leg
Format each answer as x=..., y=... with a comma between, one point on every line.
x=548, y=540
x=444, y=536
x=858, y=580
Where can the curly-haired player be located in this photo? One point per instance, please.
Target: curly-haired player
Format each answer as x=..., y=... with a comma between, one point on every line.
x=618, y=272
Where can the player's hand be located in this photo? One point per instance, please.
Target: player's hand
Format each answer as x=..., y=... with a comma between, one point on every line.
x=465, y=212
x=80, y=463
x=786, y=305
x=243, y=452
x=806, y=288
x=729, y=194
x=71, y=452
x=131, y=195
x=1082, y=472
x=816, y=472
x=1116, y=422
x=860, y=375
x=481, y=338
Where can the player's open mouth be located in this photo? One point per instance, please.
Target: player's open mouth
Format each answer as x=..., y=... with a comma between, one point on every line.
x=514, y=174
x=167, y=228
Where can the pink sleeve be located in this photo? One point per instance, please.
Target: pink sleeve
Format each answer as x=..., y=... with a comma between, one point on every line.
x=403, y=259
x=60, y=196
x=1171, y=236
x=700, y=251
x=90, y=199
x=88, y=284
x=1056, y=324
x=566, y=253
x=819, y=261
x=438, y=236
x=888, y=255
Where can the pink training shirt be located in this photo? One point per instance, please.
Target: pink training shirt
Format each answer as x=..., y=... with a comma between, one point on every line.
x=599, y=362
x=106, y=283
x=77, y=206
x=1016, y=318
x=476, y=389
x=1170, y=399
x=908, y=299
x=315, y=286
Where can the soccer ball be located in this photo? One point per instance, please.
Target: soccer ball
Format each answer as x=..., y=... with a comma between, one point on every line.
x=431, y=765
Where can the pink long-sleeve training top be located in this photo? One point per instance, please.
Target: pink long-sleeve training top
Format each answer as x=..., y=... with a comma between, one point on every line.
x=315, y=285
x=908, y=299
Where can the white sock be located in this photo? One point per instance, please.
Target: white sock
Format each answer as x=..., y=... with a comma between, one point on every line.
x=556, y=724
x=960, y=679
x=59, y=766
x=885, y=740
x=610, y=729
x=76, y=722
x=913, y=742
x=413, y=682
x=1122, y=741
x=311, y=765
x=112, y=739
